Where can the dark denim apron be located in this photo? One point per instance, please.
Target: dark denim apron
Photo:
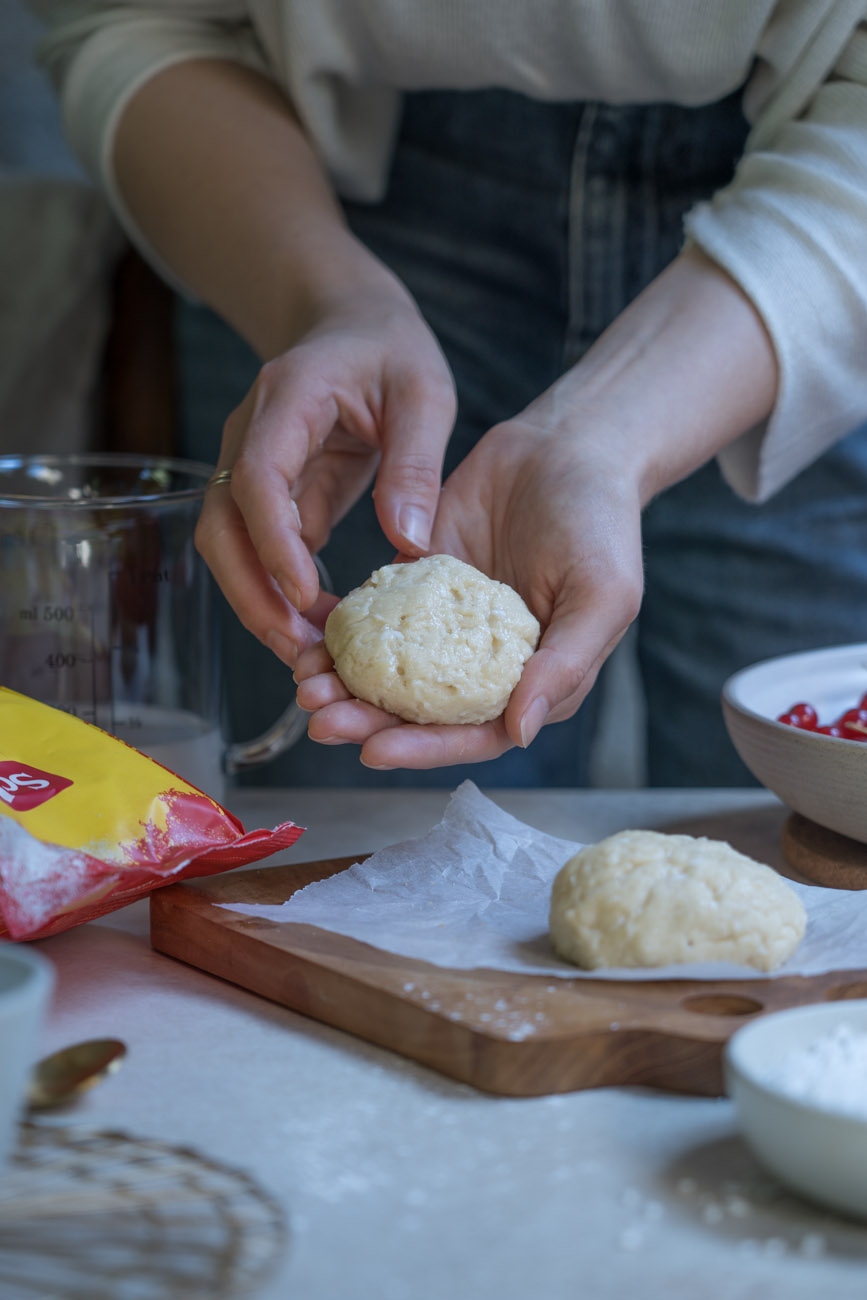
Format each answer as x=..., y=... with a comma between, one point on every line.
x=523, y=228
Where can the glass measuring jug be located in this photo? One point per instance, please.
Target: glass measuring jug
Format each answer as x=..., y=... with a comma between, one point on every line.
x=107, y=610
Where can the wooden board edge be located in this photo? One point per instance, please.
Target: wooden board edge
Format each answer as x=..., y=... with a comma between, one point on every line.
x=489, y=1061
x=602, y=1055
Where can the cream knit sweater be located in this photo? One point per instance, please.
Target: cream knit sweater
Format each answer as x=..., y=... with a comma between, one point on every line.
x=791, y=227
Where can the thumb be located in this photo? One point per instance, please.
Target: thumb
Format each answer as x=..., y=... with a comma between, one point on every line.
x=561, y=673
x=418, y=421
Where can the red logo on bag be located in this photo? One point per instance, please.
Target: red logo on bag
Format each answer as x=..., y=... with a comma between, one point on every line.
x=23, y=787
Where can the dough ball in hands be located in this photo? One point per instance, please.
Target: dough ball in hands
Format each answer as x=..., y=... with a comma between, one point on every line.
x=642, y=898
x=433, y=640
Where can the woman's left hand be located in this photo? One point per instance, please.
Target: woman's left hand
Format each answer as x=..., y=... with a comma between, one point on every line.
x=557, y=518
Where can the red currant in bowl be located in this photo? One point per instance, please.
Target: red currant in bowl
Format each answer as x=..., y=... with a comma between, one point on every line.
x=851, y=725
x=800, y=715
x=799, y=723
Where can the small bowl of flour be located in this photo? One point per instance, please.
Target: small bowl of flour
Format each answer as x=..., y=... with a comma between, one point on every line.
x=798, y=1079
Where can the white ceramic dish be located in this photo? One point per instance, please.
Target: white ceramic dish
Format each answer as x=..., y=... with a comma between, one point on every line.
x=26, y=981
x=821, y=777
x=819, y=1152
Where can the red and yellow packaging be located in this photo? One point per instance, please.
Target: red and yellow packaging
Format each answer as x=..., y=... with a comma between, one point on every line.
x=88, y=824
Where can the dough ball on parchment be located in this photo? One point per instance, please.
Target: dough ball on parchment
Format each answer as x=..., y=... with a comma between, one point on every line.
x=433, y=640
x=642, y=898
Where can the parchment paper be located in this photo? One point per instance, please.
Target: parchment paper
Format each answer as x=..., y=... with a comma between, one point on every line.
x=474, y=893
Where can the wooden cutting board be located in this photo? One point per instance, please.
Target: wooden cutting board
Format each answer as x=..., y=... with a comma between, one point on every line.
x=515, y=1035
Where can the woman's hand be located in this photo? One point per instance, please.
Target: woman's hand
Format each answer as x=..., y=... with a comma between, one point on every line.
x=366, y=391
x=551, y=503
x=557, y=519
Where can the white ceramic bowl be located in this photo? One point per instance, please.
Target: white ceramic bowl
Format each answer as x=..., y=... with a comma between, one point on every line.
x=819, y=1152
x=26, y=981
x=822, y=777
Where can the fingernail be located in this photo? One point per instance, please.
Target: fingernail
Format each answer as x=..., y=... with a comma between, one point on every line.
x=414, y=527
x=377, y=767
x=290, y=591
x=282, y=647
x=533, y=720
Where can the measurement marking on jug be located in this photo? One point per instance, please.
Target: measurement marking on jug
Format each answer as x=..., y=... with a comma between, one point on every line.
x=141, y=577
x=60, y=660
x=150, y=575
x=111, y=727
x=52, y=613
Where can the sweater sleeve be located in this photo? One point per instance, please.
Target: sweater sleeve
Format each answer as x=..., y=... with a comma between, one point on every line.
x=791, y=230
x=98, y=56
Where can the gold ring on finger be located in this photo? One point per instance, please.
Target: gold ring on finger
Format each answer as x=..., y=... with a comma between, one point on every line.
x=221, y=476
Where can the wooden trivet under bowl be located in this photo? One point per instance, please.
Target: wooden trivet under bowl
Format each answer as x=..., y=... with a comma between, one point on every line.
x=824, y=856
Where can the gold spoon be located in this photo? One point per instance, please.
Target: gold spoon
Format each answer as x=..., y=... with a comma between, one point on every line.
x=63, y=1076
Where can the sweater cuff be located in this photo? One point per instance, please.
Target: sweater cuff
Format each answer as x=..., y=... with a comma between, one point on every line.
x=793, y=242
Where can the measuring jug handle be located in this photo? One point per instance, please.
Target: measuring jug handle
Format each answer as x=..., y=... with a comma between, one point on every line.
x=282, y=734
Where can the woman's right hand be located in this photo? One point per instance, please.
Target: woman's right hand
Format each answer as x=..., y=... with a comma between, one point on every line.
x=365, y=387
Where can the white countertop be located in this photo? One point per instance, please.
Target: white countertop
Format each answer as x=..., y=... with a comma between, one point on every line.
x=400, y=1184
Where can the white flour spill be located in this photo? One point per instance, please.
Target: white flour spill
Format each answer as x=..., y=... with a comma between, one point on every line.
x=728, y=1210
x=40, y=879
